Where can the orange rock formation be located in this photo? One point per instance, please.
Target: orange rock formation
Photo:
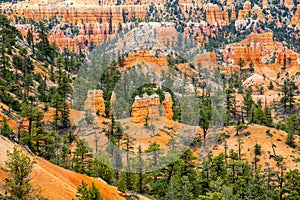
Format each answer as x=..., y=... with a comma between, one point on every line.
x=215, y=15
x=95, y=20
x=167, y=106
x=253, y=48
x=291, y=58
x=248, y=11
x=95, y=102
x=148, y=107
x=295, y=21
x=145, y=57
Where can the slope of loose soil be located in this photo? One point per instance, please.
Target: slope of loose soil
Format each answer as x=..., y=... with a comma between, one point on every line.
x=55, y=182
x=258, y=135
x=163, y=130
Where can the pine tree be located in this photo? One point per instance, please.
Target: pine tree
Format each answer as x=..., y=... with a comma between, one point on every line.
x=5, y=129
x=291, y=187
x=284, y=99
x=81, y=156
x=83, y=193
x=95, y=193
x=257, y=152
x=251, y=67
x=117, y=162
x=257, y=149
x=290, y=94
x=154, y=150
x=240, y=143
x=57, y=102
x=249, y=103
x=271, y=86
x=290, y=140
x=128, y=142
x=241, y=64
x=293, y=124
x=102, y=167
x=175, y=188
x=259, y=116
x=121, y=183
x=269, y=120
x=19, y=167
x=140, y=166
x=35, y=127
x=205, y=116
x=30, y=40
x=230, y=104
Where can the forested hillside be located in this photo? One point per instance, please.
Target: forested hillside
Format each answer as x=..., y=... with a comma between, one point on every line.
x=163, y=99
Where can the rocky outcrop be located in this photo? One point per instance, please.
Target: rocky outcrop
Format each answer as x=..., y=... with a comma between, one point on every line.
x=149, y=107
x=247, y=11
x=215, y=15
x=233, y=13
x=145, y=57
x=247, y=54
x=95, y=20
x=206, y=59
x=76, y=13
x=295, y=21
x=95, y=102
x=291, y=58
x=167, y=106
x=264, y=52
x=145, y=108
x=254, y=48
x=289, y=4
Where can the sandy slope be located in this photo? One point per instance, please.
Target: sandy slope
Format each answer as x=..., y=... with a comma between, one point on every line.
x=55, y=182
x=258, y=135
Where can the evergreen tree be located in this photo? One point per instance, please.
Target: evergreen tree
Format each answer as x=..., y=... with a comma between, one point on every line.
x=140, y=165
x=271, y=86
x=5, y=129
x=175, y=188
x=290, y=140
x=293, y=124
x=291, y=94
x=205, y=116
x=257, y=149
x=230, y=105
x=288, y=94
x=83, y=193
x=81, y=156
x=95, y=193
x=241, y=64
x=251, y=67
x=259, y=116
x=30, y=40
x=291, y=187
x=19, y=167
x=121, y=183
x=154, y=149
x=128, y=142
x=249, y=103
x=101, y=167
